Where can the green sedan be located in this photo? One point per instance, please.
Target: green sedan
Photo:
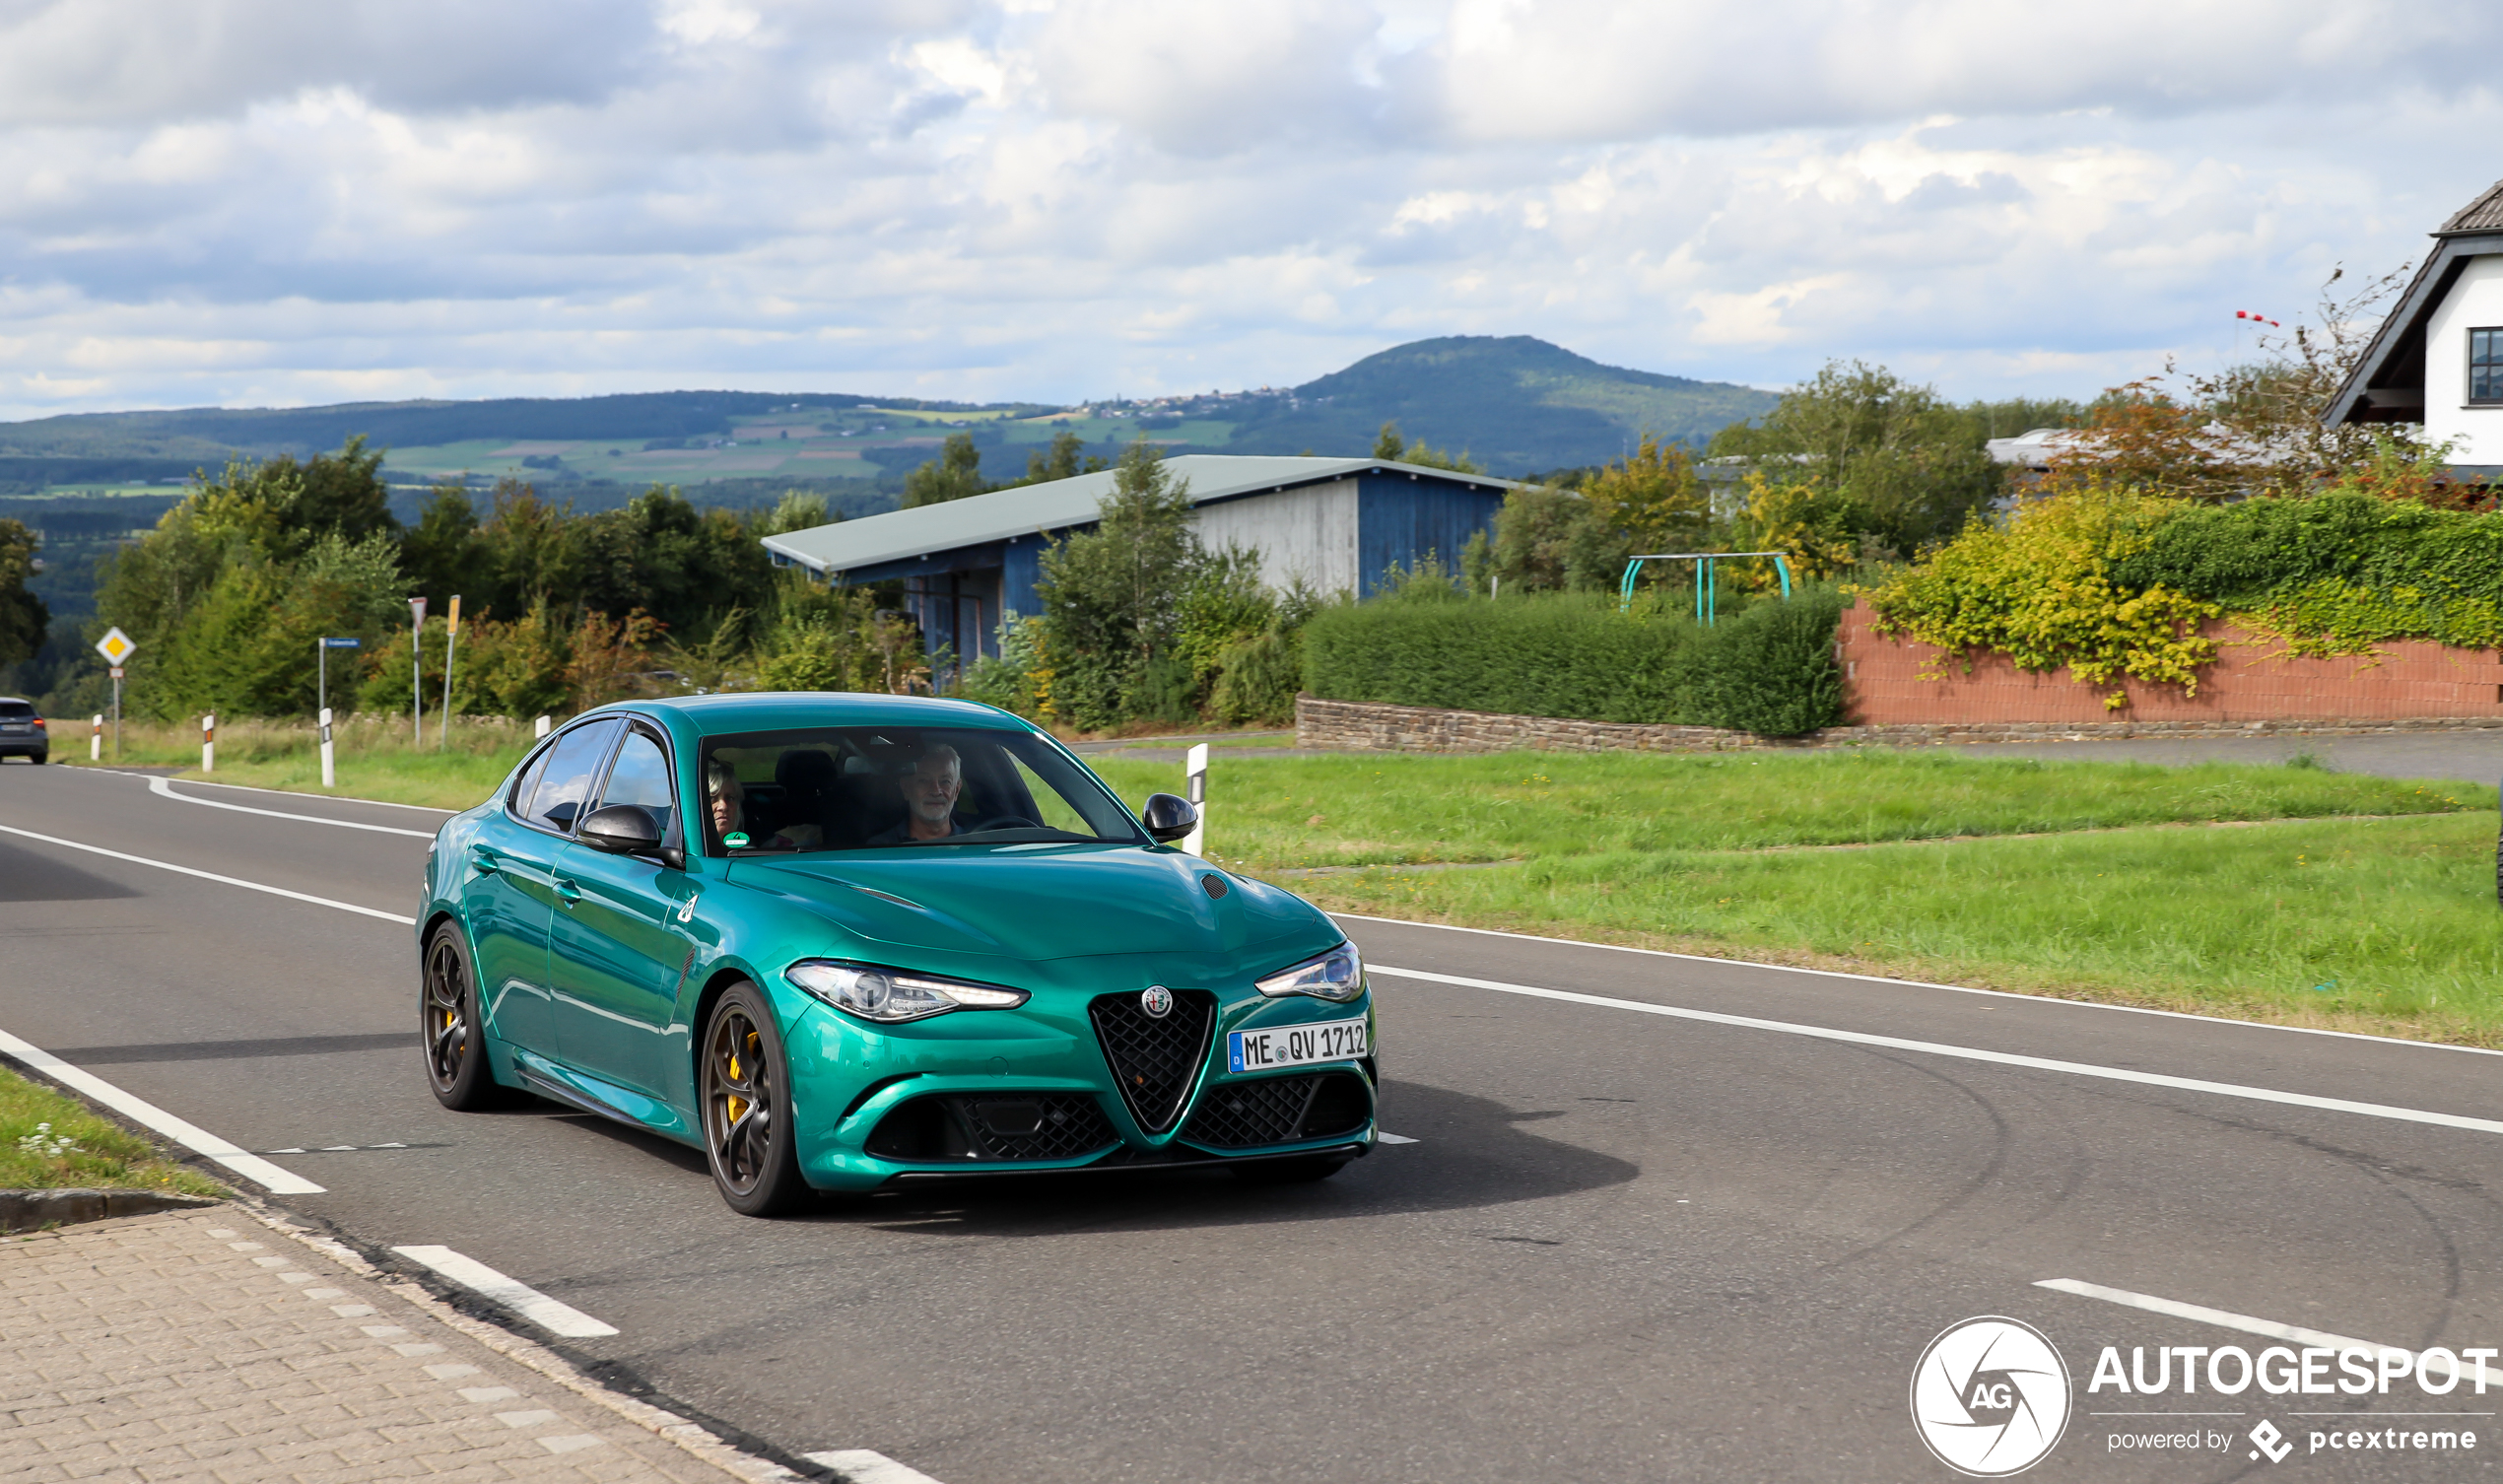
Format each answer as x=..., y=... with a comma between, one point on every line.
x=840, y=942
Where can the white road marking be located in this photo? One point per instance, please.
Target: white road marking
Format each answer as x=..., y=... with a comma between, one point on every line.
x=1970, y=1053
x=163, y=788
x=1879, y=978
x=140, y=1110
x=1393, y=1138
x=184, y=870
x=2221, y=1318
x=336, y=798
x=511, y=1293
x=862, y=1466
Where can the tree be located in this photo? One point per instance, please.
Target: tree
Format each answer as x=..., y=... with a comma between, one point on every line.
x=1387, y=444
x=1065, y=459
x=443, y=553
x=956, y=473
x=22, y=615
x=1111, y=595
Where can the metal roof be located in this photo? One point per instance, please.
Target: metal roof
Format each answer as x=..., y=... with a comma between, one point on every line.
x=1004, y=515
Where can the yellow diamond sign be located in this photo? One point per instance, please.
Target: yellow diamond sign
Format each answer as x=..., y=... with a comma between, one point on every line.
x=115, y=647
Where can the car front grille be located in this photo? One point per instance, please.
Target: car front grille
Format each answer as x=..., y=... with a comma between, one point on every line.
x=1154, y=1059
x=953, y=1129
x=1279, y=1111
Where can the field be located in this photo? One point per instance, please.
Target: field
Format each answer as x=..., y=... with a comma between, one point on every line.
x=2279, y=892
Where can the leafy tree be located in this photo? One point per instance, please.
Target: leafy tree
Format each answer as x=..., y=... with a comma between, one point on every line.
x=1065, y=459
x=955, y=474
x=659, y=555
x=1906, y=461
x=22, y=615
x=443, y=553
x=797, y=510
x=1111, y=595
x=1387, y=445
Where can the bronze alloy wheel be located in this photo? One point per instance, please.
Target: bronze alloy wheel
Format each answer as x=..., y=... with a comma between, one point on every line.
x=747, y=1132
x=448, y=1026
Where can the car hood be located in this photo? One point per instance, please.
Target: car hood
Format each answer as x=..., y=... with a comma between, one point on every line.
x=1035, y=903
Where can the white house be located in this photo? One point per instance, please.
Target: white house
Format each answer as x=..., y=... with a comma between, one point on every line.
x=2438, y=358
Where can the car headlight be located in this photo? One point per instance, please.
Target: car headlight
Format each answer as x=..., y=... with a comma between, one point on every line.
x=890, y=996
x=1338, y=975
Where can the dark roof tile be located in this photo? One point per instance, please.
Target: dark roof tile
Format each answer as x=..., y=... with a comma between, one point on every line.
x=2484, y=214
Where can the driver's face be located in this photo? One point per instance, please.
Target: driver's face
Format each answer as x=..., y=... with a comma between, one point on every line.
x=930, y=789
x=725, y=811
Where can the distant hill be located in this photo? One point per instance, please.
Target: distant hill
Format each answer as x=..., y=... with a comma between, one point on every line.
x=1516, y=402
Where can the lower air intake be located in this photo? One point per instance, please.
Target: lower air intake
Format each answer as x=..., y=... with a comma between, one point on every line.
x=1155, y=1060
x=955, y=1129
x=1279, y=1111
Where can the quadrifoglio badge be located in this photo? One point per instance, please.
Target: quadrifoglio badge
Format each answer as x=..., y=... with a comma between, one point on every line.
x=1991, y=1396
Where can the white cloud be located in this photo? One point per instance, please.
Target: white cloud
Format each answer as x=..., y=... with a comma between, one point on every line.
x=253, y=200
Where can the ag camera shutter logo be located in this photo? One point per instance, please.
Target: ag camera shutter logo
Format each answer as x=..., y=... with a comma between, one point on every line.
x=1989, y=1396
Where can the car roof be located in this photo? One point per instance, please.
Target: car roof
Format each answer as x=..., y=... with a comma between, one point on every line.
x=777, y=710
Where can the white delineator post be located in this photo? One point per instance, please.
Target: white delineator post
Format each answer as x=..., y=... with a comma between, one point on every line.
x=541, y=727
x=329, y=763
x=96, y=740
x=1194, y=786
x=208, y=743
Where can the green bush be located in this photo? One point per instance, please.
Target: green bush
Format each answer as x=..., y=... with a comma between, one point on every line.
x=1767, y=668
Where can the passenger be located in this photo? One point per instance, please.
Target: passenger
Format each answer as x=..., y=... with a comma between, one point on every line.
x=930, y=790
x=728, y=797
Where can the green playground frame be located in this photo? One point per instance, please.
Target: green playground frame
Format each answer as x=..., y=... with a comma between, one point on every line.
x=1703, y=577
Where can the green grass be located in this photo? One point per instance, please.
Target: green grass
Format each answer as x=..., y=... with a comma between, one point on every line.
x=49, y=1141
x=1355, y=809
x=374, y=760
x=2383, y=925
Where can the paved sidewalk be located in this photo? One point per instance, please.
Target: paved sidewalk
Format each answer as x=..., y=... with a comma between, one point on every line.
x=210, y=1345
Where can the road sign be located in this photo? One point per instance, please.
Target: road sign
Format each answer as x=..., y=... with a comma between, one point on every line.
x=115, y=647
x=116, y=672
x=343, y=643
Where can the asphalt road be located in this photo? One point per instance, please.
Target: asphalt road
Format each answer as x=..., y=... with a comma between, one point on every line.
x=1626, y=1246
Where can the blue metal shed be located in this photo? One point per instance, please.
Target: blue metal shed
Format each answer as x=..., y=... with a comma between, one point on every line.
x=1336, y=523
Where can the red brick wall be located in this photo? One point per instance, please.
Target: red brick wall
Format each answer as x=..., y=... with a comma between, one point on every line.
x=1882, y=686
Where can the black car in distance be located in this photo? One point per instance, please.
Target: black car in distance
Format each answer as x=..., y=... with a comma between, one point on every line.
x=22, y=733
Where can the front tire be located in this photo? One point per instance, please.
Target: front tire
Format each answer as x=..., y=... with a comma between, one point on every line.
x=749, y=1136
x=39, y=759
x=452, y=1038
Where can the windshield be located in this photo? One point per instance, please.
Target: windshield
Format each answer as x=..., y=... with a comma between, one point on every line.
x=870, y=788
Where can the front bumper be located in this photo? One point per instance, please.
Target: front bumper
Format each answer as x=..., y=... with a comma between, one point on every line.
x=1034, y=1091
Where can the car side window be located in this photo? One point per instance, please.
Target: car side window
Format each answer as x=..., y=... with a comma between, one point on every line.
x=558, y=801
x=641, y=776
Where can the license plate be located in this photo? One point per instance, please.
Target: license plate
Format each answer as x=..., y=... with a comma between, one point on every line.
x=17, y=727
x=1295, y=1045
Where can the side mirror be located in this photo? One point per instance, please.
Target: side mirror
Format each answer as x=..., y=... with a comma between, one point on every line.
x=1168, y=817
x=622, y=830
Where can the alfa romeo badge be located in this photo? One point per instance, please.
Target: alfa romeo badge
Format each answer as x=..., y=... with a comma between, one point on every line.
x=1157, y=1001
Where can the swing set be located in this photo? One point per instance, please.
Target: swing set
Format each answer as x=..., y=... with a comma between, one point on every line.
x=1703, y=577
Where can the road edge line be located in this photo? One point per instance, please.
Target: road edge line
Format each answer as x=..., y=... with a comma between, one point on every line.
x=277, y=1180
x=1970, y=1053
x=1879, y=978
x=163, y=788
x=253, y=886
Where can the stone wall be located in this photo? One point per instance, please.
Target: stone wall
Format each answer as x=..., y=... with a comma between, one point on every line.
x=1367, y=726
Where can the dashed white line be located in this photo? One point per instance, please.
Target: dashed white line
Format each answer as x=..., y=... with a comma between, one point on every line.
x=863, y=1466
x=184, y=870
x=163, y=788
x=548, y=1314
x=1393, y=1138
x=1968, y=1053
x=2220, y=1317
x=139, y=1110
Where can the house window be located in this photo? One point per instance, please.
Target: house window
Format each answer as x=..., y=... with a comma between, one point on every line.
x=2485, y=365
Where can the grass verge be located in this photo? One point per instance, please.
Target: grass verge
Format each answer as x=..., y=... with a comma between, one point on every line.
x=50, y=1141
x=373, y=758
x=2387, y=926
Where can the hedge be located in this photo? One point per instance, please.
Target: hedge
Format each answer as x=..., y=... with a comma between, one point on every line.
x=1767, y=668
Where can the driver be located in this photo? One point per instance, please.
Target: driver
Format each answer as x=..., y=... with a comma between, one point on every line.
x=930, y=790
x=728, y=797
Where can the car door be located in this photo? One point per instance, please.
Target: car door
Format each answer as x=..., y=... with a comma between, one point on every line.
x=509, y=884
x=618, y=945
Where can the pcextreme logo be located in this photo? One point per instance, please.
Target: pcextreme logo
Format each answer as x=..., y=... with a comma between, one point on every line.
x=1989, y=1396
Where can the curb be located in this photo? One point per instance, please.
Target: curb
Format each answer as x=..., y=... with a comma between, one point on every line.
x=29, y=1210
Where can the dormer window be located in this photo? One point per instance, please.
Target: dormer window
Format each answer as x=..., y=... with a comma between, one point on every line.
x=2485, y=365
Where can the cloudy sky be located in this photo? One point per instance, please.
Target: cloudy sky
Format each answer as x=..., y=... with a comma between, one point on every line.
x=244, y=202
